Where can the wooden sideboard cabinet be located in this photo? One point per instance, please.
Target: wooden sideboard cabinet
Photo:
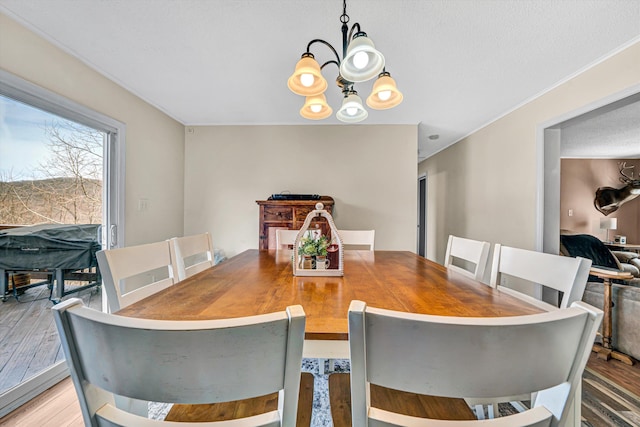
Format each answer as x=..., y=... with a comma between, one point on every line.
x=288, y=214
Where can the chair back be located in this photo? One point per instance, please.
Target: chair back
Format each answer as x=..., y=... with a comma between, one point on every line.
x=565, y=274
x=285, y=238
x=472, y=251
x=358, y=237
x=192, y=254
x=462, y=357
x=135, y=272
x=187, y=362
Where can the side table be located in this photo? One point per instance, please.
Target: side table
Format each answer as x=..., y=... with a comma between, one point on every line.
x=606, y=351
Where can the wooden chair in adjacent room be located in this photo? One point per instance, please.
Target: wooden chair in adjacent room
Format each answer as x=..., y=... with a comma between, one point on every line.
x=466, y=251
x=135, y=272
x=192, y=254
x=406, y=367
x=359, y=238
x=210, y=370
x=285, y=238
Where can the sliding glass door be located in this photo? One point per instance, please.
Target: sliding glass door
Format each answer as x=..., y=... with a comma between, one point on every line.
x=61, y=178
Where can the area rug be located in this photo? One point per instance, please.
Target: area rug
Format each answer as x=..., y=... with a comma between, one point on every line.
x=604, y=403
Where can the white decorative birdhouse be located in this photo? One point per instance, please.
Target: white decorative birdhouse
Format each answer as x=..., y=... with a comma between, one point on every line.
x=317, y=254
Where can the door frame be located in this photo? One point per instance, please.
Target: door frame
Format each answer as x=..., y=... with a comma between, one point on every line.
x=548, y=149
x=422, y=195
x=21, y=90
x=548, y=144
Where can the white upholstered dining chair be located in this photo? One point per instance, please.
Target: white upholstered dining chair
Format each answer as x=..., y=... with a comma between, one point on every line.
x=136, y=272
x=285, y=238
x=192, y=254
x=458, y=357
x=182, y=362
x=468, y=251
x=358, y=238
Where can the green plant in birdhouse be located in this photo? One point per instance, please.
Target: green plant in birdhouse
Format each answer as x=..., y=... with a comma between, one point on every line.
x=312, y=246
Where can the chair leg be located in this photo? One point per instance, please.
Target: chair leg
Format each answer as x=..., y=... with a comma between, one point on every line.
x=321, y=366
x=479, y=412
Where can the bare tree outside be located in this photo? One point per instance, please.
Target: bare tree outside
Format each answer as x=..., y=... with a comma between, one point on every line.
x=65, y=186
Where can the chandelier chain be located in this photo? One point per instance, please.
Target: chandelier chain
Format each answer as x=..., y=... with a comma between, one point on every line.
x=344, y=18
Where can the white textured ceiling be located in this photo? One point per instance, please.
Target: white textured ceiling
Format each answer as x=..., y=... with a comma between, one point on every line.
x=612, y=131
x=461, y=64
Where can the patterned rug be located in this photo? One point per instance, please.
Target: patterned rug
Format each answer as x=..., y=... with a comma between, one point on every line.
x=604, y=404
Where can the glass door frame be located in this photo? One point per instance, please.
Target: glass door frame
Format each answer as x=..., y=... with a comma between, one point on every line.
x=21, y=90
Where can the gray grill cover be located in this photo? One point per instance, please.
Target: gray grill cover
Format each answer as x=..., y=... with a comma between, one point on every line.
x=48, y=246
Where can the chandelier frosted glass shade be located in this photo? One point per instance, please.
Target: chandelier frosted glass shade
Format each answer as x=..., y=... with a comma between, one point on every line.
x=316, y=108
x=362, y=62
x=307, y=80
x=385, y=93
x=352, y=110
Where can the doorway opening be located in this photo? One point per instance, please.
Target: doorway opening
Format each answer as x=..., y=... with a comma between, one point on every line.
x=550, y=146
x=422, y=215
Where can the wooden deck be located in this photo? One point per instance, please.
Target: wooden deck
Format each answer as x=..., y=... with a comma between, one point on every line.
x=29, y=341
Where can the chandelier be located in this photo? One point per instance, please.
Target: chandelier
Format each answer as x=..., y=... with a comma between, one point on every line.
x=360, y=62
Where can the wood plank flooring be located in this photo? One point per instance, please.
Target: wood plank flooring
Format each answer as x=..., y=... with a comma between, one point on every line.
x=29, y=341
x=56, y=407
x=624, y=375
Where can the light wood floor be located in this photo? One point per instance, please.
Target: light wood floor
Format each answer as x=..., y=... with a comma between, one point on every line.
x=56, y=407
x=59, y=406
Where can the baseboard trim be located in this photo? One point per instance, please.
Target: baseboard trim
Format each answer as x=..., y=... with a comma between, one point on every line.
x=24, y=392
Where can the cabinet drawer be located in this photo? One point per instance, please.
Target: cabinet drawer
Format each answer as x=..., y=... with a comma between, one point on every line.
x=302, y=212
x=277, y=213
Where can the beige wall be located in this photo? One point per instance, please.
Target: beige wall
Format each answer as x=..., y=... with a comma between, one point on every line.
x=579, y=179
x=370, y=171
x=154, y=141
x=485, y=186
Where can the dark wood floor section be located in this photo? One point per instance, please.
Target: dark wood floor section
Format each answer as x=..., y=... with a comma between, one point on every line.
x=624, y=375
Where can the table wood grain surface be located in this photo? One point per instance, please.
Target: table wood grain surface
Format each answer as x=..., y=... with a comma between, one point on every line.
x=257, y=282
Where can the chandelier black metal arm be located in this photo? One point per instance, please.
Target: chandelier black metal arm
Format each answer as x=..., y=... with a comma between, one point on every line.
x=346, y=85
x=343, y=83
x=326, y=43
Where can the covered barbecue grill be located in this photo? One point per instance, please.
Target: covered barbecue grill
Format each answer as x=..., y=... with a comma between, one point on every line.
x=63, y=252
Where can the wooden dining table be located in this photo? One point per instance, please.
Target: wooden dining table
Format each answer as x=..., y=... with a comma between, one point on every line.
x=262, y=281
x=258, y=282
